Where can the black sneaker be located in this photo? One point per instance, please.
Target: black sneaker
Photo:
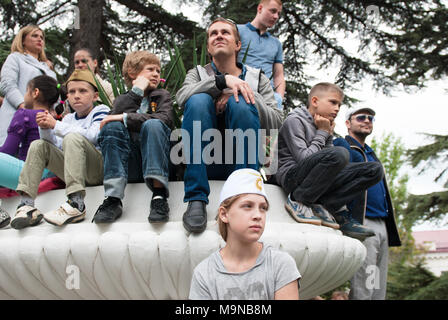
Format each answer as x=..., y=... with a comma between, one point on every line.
x=351, y=227
x=159, y=210
x=109, y=211
x=4, y=218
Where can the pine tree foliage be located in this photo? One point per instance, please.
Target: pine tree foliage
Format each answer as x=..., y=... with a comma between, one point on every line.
x=436, y=290
x=398, y=43
x=433, y=206
x=395, y=44
x=406, y=280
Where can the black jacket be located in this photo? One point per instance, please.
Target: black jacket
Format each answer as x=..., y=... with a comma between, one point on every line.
x=358, y=210
x=160, y=107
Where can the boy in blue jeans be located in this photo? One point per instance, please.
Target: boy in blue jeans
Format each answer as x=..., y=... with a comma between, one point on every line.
x=135, y=139
x=317, y=175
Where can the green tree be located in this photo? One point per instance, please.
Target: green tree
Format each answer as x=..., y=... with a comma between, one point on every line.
x=436, y=290
x=397, y=42
x=107, y=27
x=434, y=206
x=406, y=280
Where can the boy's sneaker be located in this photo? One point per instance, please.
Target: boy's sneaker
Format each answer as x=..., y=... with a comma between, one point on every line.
x=110, y=210
x=352, y=228
x=26, y=216
x=4, y=218
x=325, y=216
x=159, y=210
x=68, y=212
x=301, y=212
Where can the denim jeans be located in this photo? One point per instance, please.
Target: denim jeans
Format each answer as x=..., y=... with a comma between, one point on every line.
x=200, y=108
x=134, y=157
x=327, y=177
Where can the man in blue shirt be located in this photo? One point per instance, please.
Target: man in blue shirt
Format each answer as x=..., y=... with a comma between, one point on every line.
x=374, y=209
x=265, y=51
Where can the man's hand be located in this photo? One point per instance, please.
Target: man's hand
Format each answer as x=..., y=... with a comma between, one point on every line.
x=239, y=86
x=324, y=124
x=221, y=102
x=45, y=120
x=141, y=82
x=110, y=118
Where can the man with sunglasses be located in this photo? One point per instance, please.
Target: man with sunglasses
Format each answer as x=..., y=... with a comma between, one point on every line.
x=374, y=210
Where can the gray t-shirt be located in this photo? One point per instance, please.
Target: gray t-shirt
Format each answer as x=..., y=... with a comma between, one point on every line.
x=273, y=270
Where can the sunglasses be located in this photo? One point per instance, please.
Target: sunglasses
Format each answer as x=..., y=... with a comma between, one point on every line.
x=82, y=60
x=363, y=117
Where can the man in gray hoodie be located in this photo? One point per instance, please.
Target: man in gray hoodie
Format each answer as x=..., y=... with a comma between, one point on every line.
x=317, y=176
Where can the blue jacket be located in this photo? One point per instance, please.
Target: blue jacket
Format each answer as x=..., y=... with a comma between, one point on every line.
x=17, y=71
x=359, y=209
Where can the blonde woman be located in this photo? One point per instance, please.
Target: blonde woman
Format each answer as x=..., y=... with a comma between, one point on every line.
x=26, y=61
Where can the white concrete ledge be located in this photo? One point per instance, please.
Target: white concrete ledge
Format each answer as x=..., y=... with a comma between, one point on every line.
x=132, y=259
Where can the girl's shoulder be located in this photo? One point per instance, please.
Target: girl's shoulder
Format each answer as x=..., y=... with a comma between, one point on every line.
x=23, y=119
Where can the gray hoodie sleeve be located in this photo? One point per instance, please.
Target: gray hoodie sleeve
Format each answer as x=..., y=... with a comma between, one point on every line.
x=270, y=115
x=193, y=84
x=294, y=135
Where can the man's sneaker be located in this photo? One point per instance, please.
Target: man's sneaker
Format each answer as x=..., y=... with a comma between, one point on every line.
x=325, y=216
x=159, y=210
x=68, y=212
x=352, y=228
x=109, y=211
x=195, y=218
x=301, y=212
x=26, y=216
x=4, y=218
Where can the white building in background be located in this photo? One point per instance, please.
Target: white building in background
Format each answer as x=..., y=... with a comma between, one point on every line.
x=435, y=243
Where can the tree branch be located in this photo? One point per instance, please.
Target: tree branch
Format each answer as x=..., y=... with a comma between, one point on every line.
x=178, y=23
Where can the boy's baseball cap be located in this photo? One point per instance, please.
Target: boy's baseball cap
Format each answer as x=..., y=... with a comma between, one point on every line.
x=352, y=111
x=83, y=75
x=243, y=181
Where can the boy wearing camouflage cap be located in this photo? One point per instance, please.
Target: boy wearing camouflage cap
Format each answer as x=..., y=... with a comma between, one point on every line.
x=69, y=149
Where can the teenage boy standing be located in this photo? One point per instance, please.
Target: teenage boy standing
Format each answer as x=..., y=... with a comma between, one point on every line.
x=265, y=51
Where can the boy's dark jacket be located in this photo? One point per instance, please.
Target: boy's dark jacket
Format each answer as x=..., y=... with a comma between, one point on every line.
x=358, y=210
x=159, y=100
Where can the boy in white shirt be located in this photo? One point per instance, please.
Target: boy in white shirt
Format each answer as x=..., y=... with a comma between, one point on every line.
x=69, y=149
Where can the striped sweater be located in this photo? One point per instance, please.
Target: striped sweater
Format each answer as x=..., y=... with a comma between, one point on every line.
x=88, y=126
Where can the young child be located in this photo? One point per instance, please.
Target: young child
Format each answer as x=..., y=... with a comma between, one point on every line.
x=68, y=148
x=316, y=174
x=245, y=269
x=41, y=94
x=135, y=140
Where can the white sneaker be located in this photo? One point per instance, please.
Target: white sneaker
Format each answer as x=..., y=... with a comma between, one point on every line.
x=26, y=216
x=65, y=214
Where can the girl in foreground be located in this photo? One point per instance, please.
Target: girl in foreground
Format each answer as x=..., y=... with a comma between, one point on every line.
x=245, y=269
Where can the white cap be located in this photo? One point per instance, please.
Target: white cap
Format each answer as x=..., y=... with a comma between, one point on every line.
x=352, y=111
x=242, y=181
